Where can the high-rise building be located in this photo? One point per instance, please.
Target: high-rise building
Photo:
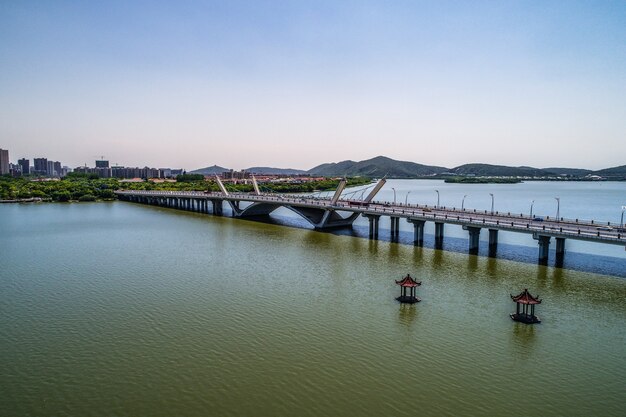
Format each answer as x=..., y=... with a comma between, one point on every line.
x=25, y=164
x=41, y=166
x=50, y=169
x=57, y=169
x=102, y=164
x=4, y=161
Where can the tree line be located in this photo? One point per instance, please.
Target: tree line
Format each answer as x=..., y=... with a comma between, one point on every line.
x=88, y=187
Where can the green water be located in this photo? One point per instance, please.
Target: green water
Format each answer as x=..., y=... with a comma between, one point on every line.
x=126, y=310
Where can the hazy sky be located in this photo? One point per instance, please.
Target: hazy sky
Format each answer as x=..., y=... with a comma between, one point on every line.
x=297, y=83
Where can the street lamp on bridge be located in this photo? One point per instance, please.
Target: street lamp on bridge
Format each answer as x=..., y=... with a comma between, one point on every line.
x=394, y=195
x=532, y=203
x=437, y=191
x=463, y=203
x=491, y=202
x=406, y=199
x=558, y=208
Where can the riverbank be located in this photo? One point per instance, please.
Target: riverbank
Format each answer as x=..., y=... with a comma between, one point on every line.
x=481, y=180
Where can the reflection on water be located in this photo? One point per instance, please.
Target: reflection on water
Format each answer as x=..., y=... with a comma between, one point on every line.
x=524, y=338
x=407, y=313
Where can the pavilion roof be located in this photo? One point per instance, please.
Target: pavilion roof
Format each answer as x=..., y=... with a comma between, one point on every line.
x=408, y=282
x=525, y=298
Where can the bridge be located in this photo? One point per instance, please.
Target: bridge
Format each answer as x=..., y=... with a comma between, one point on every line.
x=332, y=212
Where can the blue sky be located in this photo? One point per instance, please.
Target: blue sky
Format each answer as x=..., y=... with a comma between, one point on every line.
x=296, y=83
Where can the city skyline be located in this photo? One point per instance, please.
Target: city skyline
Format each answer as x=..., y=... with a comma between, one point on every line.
x=294, y=85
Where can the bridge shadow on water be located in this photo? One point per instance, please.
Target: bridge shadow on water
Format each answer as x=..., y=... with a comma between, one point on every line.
x=605, y=265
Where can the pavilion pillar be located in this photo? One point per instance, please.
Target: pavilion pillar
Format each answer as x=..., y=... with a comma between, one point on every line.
x=418, y=231
x=439, y=235
x=544, y=248
x=474, y=238
x=493, y=242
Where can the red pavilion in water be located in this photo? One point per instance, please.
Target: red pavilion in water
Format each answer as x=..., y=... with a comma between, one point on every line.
x=525, y=314
x=411, y=284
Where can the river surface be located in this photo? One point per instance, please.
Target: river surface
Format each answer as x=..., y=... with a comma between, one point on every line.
x=123, y=309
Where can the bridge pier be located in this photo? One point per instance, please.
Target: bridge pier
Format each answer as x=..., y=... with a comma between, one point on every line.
x=418, y=231
x=395, y=228
x=474, y=238
x=373, y=225
x=560, y=252
x=544, y=248
x=218, y=207
x=439, y=235
x=493, y=242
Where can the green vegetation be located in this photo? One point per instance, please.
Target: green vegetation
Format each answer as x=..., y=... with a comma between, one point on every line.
x=377, y=168
x=481, y=180
x=82, y=187
x=190, y=177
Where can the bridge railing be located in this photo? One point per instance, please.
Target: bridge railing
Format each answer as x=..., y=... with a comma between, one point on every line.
x=377, y=206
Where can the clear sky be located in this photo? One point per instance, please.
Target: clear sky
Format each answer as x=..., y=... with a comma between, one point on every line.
x=298, y=83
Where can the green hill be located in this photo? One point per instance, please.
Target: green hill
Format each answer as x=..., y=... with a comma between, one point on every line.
x=213, y=170
x=570, y=172
x=274, y=171
x=615, y=173
x=377, y=167
x=486, y=170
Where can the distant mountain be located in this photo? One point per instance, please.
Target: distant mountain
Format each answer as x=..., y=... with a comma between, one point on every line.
x=275, y=171
x=376, y=167
x=486, y=170
x=615, y=173
x=209, y=170
x=572, y=172
x=380, y=166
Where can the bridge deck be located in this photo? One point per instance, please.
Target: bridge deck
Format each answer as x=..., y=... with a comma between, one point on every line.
x=564, y=228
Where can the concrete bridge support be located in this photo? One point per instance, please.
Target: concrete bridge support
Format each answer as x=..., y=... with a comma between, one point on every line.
x=218, y=207
x=560, y=252
x=439, y=235
x=474, y=238
x=395, y=228
x=418, y=231
x=493, y=242
x=544, y=248
x=373, y=223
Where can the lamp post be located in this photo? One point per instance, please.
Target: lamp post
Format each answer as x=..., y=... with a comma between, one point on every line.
x=463, y=203
x=394, y=195
x=532, y=203
x=491, y=202
x=437, y=191
x=558, y=208
x=406, y=199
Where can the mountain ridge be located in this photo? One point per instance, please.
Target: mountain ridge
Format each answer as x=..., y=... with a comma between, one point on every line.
x=380, y=166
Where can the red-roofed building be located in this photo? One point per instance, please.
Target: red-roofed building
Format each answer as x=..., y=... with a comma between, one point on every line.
x=525, y=314
x=411, y=284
